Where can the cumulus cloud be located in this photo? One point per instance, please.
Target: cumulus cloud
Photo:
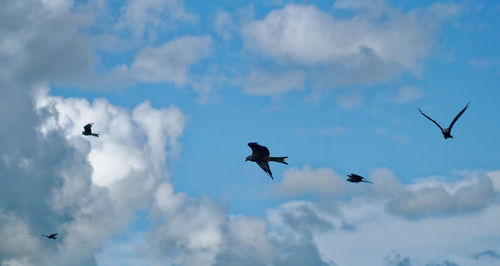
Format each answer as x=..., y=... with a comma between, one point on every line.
x=199, y=232
x=84, y=189
x=40, y=40
x=171, y=61
x=440, y=199
x=307, y=35
x=423, y=198
x=311, y=181
x=55, y=42
x=375, y=44
x=426, y=241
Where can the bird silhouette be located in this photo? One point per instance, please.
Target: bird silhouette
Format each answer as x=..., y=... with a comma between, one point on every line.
x=52, y=236
x=260, y=155
x=446, y=131
x=87, y=130
x=354, y=178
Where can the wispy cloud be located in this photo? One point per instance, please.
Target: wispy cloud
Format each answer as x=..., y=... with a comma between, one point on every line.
x=262, y=83
x=407, y=94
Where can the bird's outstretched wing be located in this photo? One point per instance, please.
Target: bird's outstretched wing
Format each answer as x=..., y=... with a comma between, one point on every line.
x=258, y=150
x=265, y=166
x=88, y=127
x=458, y=116
x=430, y=119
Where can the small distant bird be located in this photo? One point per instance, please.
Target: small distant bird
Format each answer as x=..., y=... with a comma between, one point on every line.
x=87, y=130
x=52, y=236
x=260, y=155
x=354, y=178
x=447, y=131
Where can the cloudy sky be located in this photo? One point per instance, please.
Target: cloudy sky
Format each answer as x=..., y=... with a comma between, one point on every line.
x=177, y=88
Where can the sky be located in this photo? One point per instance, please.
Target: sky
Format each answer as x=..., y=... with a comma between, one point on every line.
x=177, y=88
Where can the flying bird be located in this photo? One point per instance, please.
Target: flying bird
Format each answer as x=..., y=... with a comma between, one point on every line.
x=260, y=155
x=447, y=131
x=87, y=130
x=52, y=236
x=354, y=178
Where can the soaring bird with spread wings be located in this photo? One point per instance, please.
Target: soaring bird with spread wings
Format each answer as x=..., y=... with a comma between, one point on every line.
x=354, y=178
x=260, y=155
x=87, y=130
x=446, y=131
x=52, y=236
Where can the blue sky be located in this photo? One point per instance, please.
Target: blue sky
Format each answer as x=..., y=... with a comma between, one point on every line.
x=178, y=88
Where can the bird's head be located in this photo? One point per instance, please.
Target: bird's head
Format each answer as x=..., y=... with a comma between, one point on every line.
x=249, y=158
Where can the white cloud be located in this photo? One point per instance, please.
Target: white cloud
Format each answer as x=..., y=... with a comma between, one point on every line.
x=138, y=15
x=261, y=83
x=199, y=232
x=41, y=41
x=307, y=35
x=376, y=43
x=86, y=189
x=437, y=199
x=425, y=241
x=385, y=184
x=18, y=239
x=495, y=178
x=224, y=24
x=311, y=181
x=424, y=198
x=171, y=61
x=407, y=94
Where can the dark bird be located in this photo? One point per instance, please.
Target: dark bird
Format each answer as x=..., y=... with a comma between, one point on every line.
x=447, y=131
x=87, y=130
x=354, y=178
x=260, y=155
x=52, y=236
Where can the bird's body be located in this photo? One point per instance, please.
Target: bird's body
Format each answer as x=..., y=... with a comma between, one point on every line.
x=87, y=130
x=354, y=178
x=52, y=236
x=446, y=131
x=260, y=155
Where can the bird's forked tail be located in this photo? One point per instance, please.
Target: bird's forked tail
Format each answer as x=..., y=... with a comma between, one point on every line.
x=278, y=159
